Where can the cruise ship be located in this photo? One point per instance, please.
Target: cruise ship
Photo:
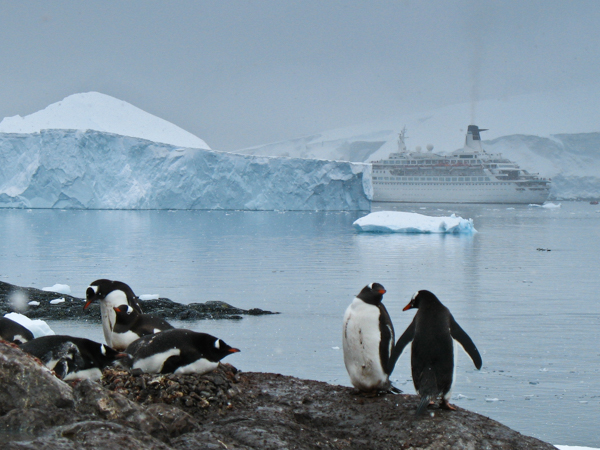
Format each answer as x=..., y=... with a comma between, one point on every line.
x=468, y=175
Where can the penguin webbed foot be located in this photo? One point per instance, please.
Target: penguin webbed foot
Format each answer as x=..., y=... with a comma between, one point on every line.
x=446, y=405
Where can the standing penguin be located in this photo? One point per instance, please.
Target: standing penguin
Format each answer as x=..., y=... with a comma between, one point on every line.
x=368, y=339
x=111, y=294
x=131, y=325
x=432, y=332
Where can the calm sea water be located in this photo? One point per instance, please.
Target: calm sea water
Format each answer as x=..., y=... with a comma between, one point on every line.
x=534, y=315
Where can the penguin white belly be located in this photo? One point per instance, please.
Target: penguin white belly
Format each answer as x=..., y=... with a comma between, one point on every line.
x=112, y=300
x=199, y=366
x=361, y=341
x=154, y=363
x=120, y=341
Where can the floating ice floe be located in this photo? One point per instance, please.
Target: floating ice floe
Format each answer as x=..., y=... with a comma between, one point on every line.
x=405, y=222
x=38, y=327
x=149, y=297
x=546, y=205
x=59, y=289
x=492, y=399
x=574, y=447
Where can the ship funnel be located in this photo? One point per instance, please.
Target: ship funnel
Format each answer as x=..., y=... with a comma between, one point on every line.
x=473, y=139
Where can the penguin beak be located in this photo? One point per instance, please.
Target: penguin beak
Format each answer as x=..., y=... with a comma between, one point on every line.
x=382, y=291
x=234, y=350
x=407, y=307
x=88, y=303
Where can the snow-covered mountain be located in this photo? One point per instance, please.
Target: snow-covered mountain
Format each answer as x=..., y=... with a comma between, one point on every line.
x=100, y=112
x=562, y=142
x=98, y=170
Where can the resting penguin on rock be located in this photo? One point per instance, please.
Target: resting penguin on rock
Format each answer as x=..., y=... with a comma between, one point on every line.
x=72, y=358
x=12, y=331
x=432, y=332
x=131, y=325
x=368, y=339
x=178, y=351
x=110, y=294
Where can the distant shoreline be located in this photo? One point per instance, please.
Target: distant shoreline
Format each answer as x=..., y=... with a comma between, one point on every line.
x=37, y=306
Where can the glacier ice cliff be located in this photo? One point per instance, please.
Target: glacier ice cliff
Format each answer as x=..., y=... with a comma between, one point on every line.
x=99, y=170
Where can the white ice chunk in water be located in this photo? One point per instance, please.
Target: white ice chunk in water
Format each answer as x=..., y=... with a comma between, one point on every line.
x=38, y=327
x=405, y=222
x=59, y=288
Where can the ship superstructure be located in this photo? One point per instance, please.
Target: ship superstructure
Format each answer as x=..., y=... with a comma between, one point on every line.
x=468, y=175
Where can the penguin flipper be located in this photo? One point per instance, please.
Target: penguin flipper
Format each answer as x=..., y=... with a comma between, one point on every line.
x=406, y=337
x=463, y=339
x=386, y=329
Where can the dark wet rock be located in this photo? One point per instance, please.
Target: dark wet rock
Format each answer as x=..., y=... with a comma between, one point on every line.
x=72, y=307
x=93, y=399
x=92, y=435
x=26, y=383
x=234, y=410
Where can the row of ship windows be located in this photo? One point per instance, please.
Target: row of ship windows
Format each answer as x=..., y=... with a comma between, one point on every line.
x=440, y=184
x=428, y=161
x=431, y=178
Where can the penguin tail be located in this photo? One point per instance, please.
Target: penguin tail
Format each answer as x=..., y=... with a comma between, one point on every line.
x=427, y=389
x=394, y=390
x=424, y=403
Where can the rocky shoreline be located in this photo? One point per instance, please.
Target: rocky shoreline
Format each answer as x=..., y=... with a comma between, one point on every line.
x=72, y=307
x=225, y=409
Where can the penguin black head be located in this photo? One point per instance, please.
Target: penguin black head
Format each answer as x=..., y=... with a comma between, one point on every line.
x=220, y=350
x=99, y=289
x=126, y=314
x=421, y=298
x=372, y=294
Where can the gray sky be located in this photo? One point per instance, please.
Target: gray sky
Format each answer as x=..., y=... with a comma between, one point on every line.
x=240, y=73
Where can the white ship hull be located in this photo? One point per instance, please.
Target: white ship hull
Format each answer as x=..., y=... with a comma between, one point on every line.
x=469, y=175
x=441, y=192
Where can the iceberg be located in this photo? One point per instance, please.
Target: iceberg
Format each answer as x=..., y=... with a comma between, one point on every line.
x=99, y=170
x=58, y=288
x=405, y=222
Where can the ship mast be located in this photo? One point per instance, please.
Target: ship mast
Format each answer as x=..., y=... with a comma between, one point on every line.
x=401, y=144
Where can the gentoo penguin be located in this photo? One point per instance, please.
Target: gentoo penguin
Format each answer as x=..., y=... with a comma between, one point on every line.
x=178, y=351
x=110, y=294
x=432, y=355
x=72, y=358
x=368, y=339
x=12, y=331
x=131, y=325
